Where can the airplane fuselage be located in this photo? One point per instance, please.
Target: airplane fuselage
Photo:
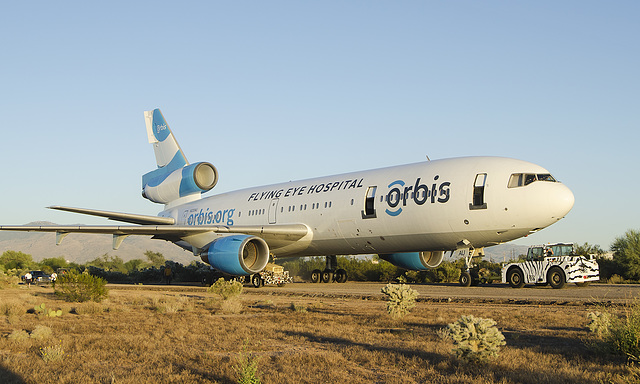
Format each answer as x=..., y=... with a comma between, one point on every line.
x=428, y=206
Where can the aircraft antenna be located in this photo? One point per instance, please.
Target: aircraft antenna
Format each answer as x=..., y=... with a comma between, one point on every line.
x=428, y=158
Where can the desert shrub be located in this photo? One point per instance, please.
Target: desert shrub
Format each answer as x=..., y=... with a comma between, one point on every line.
x=41, y=332
x=7, y=281
x=412, y=277
x=18, y=336
x=226, y=289
x=52, y=353
x=233, y=306
x=616, y=279
x=246, y=368
x=298, y=308
x=230, y=292
x=400, y=299
x=599, y=322
x=475, y=339
x=172, y=304
x=447, y=272
x=88, y=308
x=73, y=286
x=621, y=335
x=11, y=309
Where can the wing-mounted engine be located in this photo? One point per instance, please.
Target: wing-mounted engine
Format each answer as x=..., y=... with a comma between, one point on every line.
x=417, y=261
x=189, y=180
x=238, y=255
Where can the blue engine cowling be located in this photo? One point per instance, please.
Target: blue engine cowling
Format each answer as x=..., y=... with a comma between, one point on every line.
x=238, y=255
x=163, y=187
x=417, y=261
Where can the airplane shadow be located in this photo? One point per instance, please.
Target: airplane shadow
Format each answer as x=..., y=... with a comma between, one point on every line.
x=205, y=375
x=8, y=377
x=433, y=357
x=448, y=364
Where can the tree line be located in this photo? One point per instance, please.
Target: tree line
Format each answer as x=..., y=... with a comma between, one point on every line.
x=624, y=267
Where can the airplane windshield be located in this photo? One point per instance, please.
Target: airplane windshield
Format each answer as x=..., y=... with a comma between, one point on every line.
x=524, y=179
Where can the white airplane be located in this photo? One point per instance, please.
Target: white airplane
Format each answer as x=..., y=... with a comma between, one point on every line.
x=409, y=215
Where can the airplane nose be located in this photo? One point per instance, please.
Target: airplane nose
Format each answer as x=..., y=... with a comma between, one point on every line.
x=563, y=201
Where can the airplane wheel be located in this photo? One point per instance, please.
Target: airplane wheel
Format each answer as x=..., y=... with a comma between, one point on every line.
x=327, y=276
x=515, y=277
x=257, y=281
x=340, y=276
x=465, y=279
x=555, y=277
x=316, y=274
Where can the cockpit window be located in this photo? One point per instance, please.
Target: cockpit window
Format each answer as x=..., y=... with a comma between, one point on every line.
x=523, y=179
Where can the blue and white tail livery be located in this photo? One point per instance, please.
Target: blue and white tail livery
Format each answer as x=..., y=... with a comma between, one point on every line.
x=410, y=214
x=174, y=180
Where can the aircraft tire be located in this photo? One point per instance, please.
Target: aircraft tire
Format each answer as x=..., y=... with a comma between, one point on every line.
x=515, y=277
x=327, y=276
x=316, y=274
x=556, y=278
x=257, y=281
x=465, y=279
x=340, y=276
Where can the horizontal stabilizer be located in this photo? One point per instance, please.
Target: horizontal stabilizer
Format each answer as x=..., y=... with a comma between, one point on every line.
x=118, y=216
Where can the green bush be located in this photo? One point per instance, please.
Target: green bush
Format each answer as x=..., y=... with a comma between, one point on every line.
x=475, y=339
x=447, y=272
x=618, y=334
x=400, y=299
x=76, y=287
x=246, y=368
x=226, y=289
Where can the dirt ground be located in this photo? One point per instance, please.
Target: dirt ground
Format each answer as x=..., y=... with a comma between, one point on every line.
x=182, y=334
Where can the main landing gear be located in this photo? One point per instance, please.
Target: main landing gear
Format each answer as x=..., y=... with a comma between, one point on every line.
x=331, y=272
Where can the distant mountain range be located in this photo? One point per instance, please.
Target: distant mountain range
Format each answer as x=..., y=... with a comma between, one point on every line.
x=80, y=247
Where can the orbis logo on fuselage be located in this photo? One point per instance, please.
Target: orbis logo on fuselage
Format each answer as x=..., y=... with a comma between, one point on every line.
x=401, y=193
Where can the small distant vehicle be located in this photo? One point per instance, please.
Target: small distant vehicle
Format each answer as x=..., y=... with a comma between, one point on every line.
x=272, y=274
x=554, y=264
x=38, y=277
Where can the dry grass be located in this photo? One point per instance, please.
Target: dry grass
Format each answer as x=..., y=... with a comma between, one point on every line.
x=143, y=336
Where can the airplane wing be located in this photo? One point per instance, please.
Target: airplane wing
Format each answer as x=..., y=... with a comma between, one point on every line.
x=161, y=228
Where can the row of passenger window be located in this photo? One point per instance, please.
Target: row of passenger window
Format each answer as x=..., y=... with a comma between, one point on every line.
x=291, y=208
x=303, y=207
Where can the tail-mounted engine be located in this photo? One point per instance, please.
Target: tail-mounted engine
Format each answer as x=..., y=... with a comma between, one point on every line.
x=417, y=261
x=192, y=179
x=238, y=255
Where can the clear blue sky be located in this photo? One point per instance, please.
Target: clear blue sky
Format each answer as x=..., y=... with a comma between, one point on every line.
x=283, y=90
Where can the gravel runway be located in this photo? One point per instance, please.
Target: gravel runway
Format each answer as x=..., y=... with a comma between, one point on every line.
x=595, y=294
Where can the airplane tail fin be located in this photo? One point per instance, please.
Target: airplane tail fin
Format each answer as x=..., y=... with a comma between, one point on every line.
x=169, y=155
x=175, y=179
